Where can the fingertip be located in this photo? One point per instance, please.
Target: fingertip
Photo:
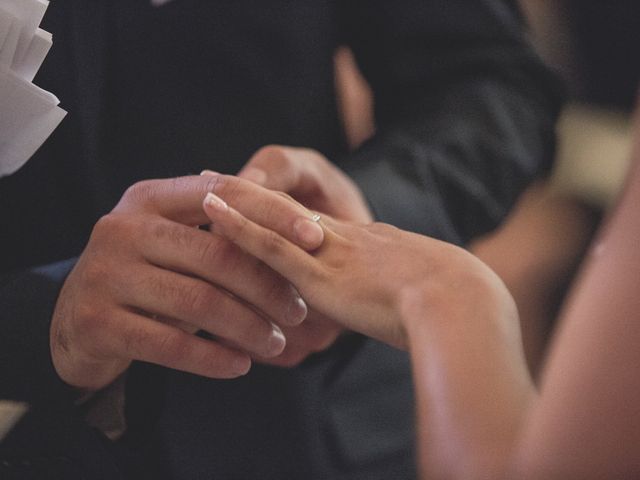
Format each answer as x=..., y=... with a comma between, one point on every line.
x=297, y=311
x=241, y=365
x=308, y=233
x=214, y=202
x=276, y=343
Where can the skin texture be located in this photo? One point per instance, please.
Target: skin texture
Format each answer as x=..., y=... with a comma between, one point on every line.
x=148, y=279
x=479, y=414
x=309, y=178
x=381, y=260
x=536, y=252
x=440, y=302
x=586, y=423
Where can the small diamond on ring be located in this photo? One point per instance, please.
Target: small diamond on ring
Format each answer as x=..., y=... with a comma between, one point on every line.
x=315, y=217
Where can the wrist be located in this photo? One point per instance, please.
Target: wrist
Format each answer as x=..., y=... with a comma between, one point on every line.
x=466, y=290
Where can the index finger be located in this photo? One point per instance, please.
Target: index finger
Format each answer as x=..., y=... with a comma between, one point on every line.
x=177, y=199
x=180, y=200
x=267, y=245
x=278, y=210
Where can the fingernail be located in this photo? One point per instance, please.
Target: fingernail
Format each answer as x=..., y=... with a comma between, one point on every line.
x=276, y=342
x=297, y=311
x=308, y=232
x=216, y=202
x=210, y=173
x=241, y=365
x=254, y=175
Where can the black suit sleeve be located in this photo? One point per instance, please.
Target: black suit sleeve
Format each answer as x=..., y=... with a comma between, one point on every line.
x=27, y=299
x=464, y=112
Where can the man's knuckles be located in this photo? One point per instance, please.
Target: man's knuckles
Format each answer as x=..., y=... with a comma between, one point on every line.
x=272, y=157
x=140, y=193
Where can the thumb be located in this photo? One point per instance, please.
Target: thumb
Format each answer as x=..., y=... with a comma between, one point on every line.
x=275, y=168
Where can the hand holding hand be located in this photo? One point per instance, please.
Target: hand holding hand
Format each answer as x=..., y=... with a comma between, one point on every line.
x=360, y=274
x=147, y=270
x=312, y=180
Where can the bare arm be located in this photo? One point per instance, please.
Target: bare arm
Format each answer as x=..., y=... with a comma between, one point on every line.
x=473, y=388
x=439, y=301
x=479, y=414
x=536, y=252
x=586, y=423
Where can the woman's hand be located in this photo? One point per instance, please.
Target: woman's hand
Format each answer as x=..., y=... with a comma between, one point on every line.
x=438, y=301
x=360, y=274
x=311, y=179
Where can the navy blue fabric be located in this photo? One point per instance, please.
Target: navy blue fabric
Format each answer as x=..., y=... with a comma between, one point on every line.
x=608, y=43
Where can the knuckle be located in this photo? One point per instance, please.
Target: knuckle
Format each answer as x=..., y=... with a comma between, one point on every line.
x=215, y=183
x=312, y=152
x=224, y=186
x=132, y=342
x=90, y=320
x=84, y=313
x=317, y=160
x=274, y=244
x=173, y=348
x=287, y=197
x=180, y=184
x=160, y=230
x=321, y=274
x=96, y=273
x=106, y=225
x=216, y=252
x=270, y=152
x=180, y=237
x=115, y=226
x=199, y=301
x=275, y=157
x=140, y=192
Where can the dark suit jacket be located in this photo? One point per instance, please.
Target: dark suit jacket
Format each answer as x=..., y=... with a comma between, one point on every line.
x=607, y=38
x=464, y=114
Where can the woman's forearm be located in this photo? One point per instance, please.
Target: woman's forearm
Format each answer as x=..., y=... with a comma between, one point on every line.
x=473, y=389
x=443, y=304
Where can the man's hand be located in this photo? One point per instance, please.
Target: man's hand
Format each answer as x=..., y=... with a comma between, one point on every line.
x=315, y=335
x=315, y=182
x=148, y=279
x=309, y=178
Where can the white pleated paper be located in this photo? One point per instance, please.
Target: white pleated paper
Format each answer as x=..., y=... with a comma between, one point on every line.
x=28, y=114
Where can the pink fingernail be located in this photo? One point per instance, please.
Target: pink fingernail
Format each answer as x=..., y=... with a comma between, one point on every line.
x=241, y=365
x=297, y=311
x=276, y=342
x=308, y=232
x=216, y=202
x=209, y=173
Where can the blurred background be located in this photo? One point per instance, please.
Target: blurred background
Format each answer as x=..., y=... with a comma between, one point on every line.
x=594, y=47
